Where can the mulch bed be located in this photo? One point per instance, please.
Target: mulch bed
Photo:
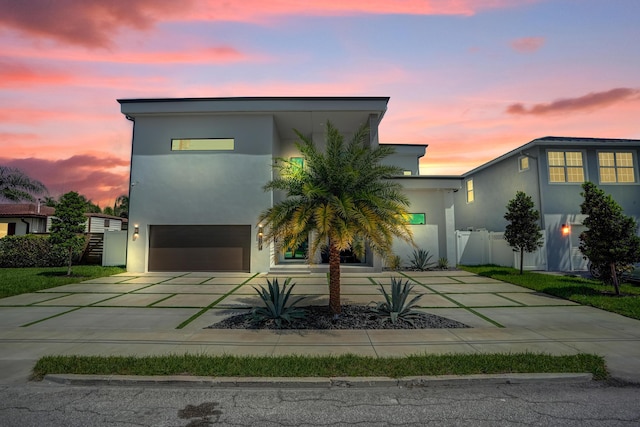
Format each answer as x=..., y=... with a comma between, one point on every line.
x=352, y=317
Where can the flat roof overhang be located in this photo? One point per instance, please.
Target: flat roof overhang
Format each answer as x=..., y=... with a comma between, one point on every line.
x=306, y=114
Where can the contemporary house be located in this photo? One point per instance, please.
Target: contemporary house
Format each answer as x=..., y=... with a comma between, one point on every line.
x=198, y=167
x=551, y=170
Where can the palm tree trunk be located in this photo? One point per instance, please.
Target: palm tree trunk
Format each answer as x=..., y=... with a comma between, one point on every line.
x=334, y=278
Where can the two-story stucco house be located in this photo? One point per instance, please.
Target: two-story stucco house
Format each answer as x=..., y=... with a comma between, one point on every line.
x=551, y=170
x=198, y=167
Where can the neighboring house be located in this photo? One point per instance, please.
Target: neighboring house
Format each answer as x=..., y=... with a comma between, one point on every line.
x=23, y=218
x=551, y=170
x=198, y=168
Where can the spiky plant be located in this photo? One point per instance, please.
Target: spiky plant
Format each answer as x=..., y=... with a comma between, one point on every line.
x=443, y=263
x=421, y=260
x=341, y=196
x=275, y=304
x=396, y=305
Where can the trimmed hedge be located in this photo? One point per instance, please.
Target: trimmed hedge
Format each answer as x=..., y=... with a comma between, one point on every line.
x=30, y=250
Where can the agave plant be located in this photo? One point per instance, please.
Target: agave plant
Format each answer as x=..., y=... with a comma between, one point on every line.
x=421, y=260
x=275, y=304
x=396, y=304
x=443, y=263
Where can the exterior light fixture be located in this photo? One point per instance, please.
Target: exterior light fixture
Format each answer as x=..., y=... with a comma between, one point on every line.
x=136, y=232
x=260, y=234
x=566, y=229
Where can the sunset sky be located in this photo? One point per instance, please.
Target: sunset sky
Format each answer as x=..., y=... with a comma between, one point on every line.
x=471, y=78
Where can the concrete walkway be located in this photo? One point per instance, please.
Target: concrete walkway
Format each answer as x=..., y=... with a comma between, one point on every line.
x=166, y=313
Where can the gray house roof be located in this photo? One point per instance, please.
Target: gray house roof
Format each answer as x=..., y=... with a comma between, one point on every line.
x=559, y=141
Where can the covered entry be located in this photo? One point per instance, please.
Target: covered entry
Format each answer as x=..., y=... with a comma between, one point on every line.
x=200, y=248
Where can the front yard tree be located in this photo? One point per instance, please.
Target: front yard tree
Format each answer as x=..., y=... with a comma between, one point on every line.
x=68, y=225
x=523, y=232
x=611, y=237
x=16, y=186
x=342, y=197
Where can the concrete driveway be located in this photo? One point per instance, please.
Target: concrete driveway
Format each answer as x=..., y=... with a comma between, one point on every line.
x=162, y=313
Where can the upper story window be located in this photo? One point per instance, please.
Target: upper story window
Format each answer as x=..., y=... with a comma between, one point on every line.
x=407, y=173
x=107, y=223
x=523, y=163
x=207, y=144
x=565, y=166
x=616, y=166
x=470, y=193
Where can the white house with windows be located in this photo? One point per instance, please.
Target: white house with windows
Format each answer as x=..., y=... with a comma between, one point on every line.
x=198, y=167
x=551, y=170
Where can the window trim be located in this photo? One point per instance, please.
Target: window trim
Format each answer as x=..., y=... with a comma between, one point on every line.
x=585, y=172
x=634, y=166
x=471, y=191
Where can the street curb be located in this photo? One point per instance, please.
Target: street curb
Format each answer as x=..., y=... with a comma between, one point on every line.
x=312, y=382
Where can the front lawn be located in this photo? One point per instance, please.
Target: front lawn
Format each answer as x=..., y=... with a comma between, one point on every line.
x=16, y=281
x=583, y=291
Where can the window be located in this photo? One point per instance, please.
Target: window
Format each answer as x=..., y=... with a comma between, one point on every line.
x=107, y=222
x=416, y=219
x=7, y=229
x=470, y=195
x=616, y=167
x=297, y=162
x=523, y=163
x=406, y=173
x=209, y=144
x=565, y=166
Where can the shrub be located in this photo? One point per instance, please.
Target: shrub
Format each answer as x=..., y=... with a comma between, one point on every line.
x=30, y=250
x=395, y=305
x=443, y=263
x=275, y=301
x=421, y=260
x=394, y=262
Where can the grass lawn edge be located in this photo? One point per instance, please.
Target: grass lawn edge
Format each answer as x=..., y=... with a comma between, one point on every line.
x=348, y=365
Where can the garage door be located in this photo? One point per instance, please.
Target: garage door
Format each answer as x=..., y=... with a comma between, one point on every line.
x=200, y=248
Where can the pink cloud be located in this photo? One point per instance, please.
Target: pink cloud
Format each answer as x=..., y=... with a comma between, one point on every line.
x=100, y=178
x=591, y=101
x=17, y=75
x=94, y=23
x=527, y=44
x=90, y=23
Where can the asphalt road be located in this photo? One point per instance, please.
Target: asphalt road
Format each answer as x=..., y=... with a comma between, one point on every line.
x=586, y=404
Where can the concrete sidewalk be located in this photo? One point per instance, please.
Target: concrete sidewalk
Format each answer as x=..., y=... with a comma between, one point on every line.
x=154, y=314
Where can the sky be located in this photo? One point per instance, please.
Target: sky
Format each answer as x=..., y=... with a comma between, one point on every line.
x=473, y=79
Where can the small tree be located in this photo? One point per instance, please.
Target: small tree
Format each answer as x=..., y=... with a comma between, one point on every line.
x=68, y=224
x=523, y=232
x=611, y=237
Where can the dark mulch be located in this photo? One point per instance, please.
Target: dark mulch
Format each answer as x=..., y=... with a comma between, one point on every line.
x=352, y=317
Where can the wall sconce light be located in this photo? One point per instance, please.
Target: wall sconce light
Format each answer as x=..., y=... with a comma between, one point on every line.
x=136, y=232
x=260, y=234
x=566, y=229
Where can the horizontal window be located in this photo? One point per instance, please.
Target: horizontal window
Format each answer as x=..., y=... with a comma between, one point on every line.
x=416, y=219
x=208, y=144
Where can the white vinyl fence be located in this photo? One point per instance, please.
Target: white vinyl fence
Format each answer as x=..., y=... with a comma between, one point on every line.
x=114, y=250
x=489, y=247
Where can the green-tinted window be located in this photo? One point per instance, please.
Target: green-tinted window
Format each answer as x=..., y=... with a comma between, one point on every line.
x=416, y=219
x=297, y=162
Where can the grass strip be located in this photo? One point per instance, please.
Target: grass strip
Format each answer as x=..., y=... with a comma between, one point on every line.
x=321, y=366
x=16, y=281
x=583, y=291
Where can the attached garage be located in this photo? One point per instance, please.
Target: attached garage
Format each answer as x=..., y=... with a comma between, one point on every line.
x=200, y=248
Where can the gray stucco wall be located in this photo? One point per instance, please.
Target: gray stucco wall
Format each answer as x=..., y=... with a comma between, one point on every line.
x=195, y=188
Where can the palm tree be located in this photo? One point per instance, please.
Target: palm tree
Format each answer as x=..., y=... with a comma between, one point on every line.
x=121, y=206
x=342, y=196
x=17, y=186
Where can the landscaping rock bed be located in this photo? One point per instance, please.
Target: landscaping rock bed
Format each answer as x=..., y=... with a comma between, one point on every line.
x=352, y=317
